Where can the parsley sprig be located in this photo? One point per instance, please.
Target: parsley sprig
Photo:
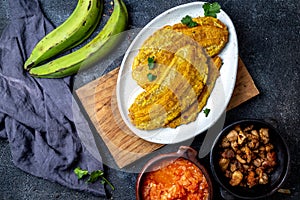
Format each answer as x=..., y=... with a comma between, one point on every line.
x=93, y=176
x=188, y=21
x=151, y=62
x=206, y=111
x=151, y=77
x=211, y=9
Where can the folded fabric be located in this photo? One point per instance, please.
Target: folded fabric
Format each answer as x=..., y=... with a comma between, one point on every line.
x=37, y=115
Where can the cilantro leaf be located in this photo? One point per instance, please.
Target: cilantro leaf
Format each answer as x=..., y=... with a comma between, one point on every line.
x=104, y=180
x=151, y=77
x=94, y=176
x=211, y=9
x=206, y=111
x=188, y=21
x=80, y=173
x=151, y=62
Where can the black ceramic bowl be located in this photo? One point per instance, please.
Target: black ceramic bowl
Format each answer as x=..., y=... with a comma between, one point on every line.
x=278, y=175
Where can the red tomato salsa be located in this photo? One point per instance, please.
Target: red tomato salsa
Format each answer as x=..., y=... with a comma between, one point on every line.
x=180, y=179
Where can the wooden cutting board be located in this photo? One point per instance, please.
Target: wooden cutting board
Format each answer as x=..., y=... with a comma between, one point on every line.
x=98, y=98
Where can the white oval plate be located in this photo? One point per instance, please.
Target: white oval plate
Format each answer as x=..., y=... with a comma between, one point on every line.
x=127, y=89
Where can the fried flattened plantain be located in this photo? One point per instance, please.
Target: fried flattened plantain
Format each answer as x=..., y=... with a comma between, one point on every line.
x=182, y=83
x=210, y=33
x=185, y=73
x=192, y=112
x=162, y=46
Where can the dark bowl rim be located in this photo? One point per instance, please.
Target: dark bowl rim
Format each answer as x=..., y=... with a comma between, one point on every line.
x=185, y=152
x=230, y=126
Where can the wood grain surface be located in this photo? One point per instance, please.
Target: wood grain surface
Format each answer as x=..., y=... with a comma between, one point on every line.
x=98, y=98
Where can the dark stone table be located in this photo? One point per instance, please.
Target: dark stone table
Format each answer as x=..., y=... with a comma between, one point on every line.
x=269, y=44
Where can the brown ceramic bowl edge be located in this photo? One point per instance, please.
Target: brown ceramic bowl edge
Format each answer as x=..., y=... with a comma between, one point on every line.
x=183, y=152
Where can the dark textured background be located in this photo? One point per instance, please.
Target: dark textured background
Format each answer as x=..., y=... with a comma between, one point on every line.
x=269, y=39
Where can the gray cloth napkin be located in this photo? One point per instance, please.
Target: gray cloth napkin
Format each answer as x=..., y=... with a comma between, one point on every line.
x=36, y=115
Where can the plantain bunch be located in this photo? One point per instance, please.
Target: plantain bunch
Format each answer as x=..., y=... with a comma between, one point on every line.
x=76, y=29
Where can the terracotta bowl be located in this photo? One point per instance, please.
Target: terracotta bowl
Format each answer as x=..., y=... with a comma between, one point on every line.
x=183, y=152
x=277, y=176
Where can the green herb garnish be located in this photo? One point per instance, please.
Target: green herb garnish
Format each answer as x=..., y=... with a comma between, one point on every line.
x=94, y=176
x=151, y=77
x=211, y=9
x=80, y=173
x=206, y=111
x=187, y=20
x=151, y=62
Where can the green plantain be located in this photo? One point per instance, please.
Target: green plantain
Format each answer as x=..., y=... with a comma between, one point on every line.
x=91, y=52
x=78, y=27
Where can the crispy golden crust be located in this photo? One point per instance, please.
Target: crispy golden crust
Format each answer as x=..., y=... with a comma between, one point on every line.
x=185, y=73
x=181, y=84
x=162, y=45
x=210, y=33
x=192, y=112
